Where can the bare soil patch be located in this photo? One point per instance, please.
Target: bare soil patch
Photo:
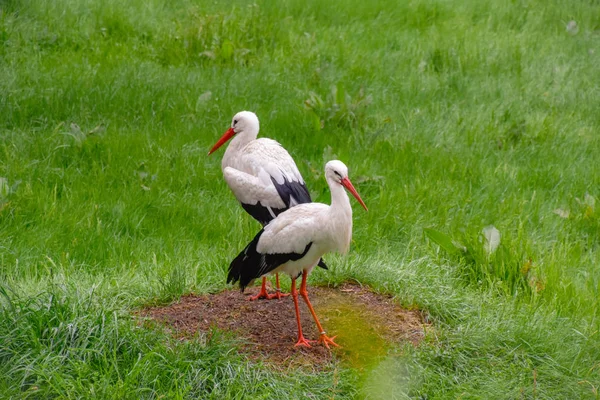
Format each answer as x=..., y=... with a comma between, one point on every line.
x=366, y=324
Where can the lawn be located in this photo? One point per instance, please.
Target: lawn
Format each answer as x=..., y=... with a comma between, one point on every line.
x=458, y=120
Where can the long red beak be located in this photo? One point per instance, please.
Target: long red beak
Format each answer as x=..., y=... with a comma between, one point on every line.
x=348, y=185
x=226, y=136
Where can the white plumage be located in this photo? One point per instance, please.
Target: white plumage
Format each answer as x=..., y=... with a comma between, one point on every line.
x=295, y=241
x=328, y=228
x=252, y=166
x=253, y=189
x=261, y=174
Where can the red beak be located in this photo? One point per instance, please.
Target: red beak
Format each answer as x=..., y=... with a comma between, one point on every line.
x=226, y=136
x=348, y=185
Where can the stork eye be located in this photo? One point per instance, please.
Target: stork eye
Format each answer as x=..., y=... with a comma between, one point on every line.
x=337, y=174
x=235, y=121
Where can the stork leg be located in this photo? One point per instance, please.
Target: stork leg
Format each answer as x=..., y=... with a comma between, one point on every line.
x=263, y=294
x=301, y=340
x=277, y=295
x=323, y=338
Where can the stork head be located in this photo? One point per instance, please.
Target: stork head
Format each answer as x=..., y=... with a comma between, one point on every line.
x=337, y=172
x=245, y=122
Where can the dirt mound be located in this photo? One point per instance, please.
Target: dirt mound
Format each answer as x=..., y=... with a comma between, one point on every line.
x=366, y=324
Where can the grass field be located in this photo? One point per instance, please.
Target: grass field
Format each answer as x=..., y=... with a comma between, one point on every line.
x=453, y=116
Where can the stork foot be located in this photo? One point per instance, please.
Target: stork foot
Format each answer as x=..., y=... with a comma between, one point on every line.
x=303, y=342
x=326, y=340
x=261, y=295
x=277, y=295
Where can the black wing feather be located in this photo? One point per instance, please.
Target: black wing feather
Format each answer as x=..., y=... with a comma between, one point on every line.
x=289, y=189
x=250, y=264
x=322, y=264
x=261, y=213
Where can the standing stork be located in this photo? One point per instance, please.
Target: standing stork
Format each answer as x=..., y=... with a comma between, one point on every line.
x=295, y=241
x=263, y=177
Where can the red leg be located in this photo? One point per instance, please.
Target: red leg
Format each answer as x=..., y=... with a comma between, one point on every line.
x=277, y=295
x=263, y=292
x=323, y=338
x=301, y=340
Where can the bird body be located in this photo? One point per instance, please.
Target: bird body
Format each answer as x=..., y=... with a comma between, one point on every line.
x=261, y=174
x=325, y=228
x=295, y=241
x=310, y=229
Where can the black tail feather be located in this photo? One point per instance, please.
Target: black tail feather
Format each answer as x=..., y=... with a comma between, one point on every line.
x=241, y=269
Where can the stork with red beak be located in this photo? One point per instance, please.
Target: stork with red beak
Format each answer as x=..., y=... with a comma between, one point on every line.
x=262, y=175
x=295, y=241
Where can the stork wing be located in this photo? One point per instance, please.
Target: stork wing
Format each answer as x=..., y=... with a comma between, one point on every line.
x=293, y=230
x=251, y=264
x=250, y=189
x=287, y=238
x=267, y=159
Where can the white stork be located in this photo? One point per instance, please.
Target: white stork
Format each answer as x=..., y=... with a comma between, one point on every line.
x=262, y=175
x=295, y=241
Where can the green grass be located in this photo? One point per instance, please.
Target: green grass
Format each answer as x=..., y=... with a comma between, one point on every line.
x=452, y=116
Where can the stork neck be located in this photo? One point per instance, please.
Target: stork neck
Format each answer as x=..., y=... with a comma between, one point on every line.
x=237, y=143
x=340, y=202
x=340, y=217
